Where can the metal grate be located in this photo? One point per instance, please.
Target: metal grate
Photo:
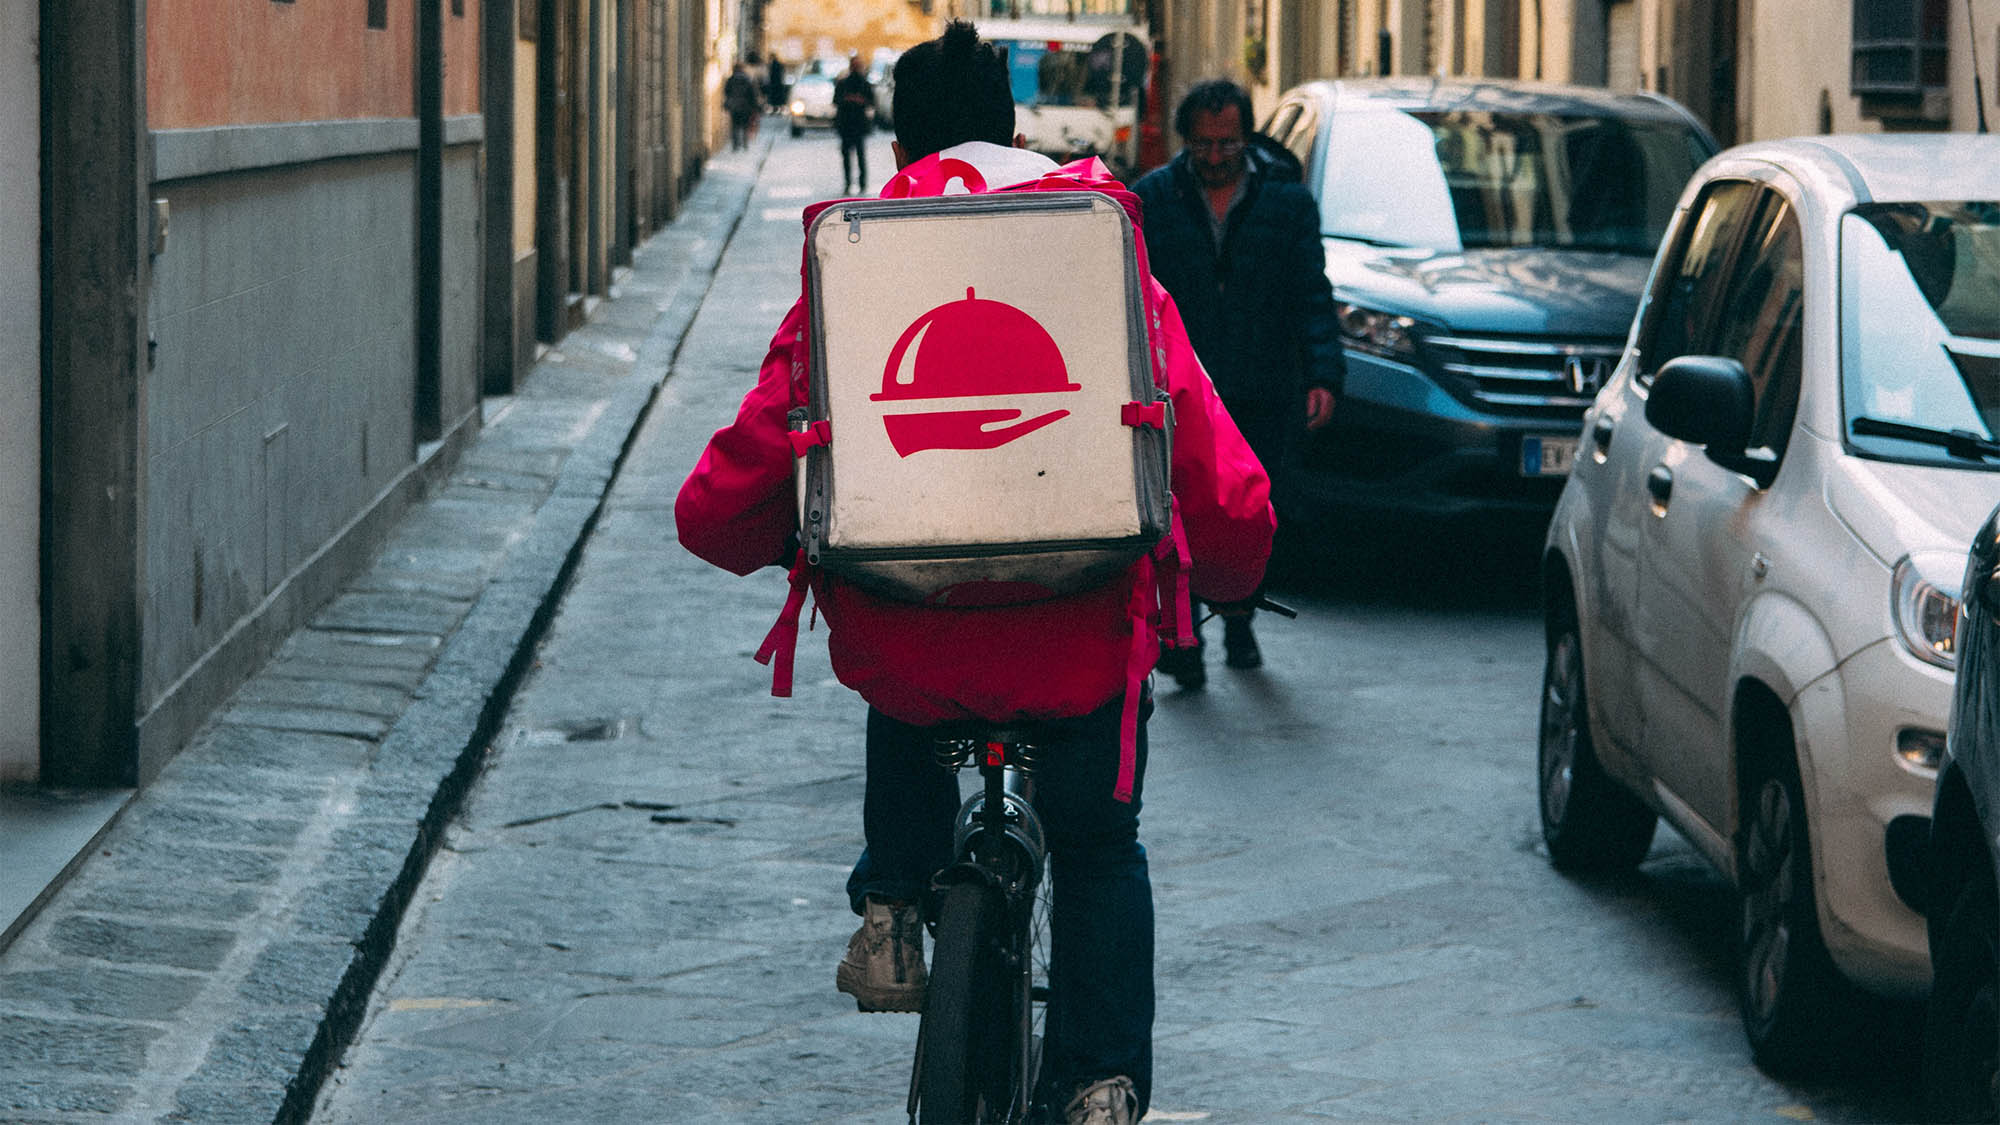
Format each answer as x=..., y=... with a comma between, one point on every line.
x=1525, y=373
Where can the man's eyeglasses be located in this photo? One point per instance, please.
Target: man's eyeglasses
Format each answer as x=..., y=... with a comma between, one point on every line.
x=1220, y=148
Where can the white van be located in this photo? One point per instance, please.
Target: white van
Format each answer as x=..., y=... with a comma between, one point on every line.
x=1079, y=86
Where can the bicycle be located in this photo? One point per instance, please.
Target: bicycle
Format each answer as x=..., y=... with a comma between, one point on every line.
x=980, y=1037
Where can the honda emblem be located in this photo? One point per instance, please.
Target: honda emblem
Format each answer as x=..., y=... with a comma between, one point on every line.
x=1586, y=374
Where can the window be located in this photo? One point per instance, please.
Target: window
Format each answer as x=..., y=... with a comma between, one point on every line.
x=1920, y=323
x=1465, y=179
x=1302, y=133
x=1761, y=318
x=378, y=14
x=1738, y=290
x=1280, y=123
x=1688, y=294
x=1057, y=73
x=1900, y=48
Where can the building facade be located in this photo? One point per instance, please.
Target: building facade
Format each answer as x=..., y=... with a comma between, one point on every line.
x=256, y=288
x=1751, y=69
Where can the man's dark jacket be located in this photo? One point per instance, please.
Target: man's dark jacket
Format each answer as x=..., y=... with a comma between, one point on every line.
x=853, y=100
x=1259, y=311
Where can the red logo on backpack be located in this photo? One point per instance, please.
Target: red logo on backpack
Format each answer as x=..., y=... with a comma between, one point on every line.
x=964, y=349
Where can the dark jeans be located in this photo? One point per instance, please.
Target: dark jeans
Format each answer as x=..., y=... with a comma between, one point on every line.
x=1100, y=1016
x=739, y=130
x=853, y=158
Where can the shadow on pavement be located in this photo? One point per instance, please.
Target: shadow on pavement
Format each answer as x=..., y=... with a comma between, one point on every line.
x=1488, y=564
x=1678, y=903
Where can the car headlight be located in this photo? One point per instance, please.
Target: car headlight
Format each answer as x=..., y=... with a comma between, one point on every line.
x=798, y=107
x=1378, y=333
x=1923, y=597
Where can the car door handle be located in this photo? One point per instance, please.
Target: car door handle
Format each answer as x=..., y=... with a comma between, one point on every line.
x=1660, y=483
x=1600, y=436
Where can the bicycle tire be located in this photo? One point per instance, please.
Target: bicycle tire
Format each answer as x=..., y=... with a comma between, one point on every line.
x=968, y=1015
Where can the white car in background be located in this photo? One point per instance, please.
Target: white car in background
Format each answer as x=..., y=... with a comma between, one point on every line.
x=882, y=74
x=809, y=104
x=1752, y=573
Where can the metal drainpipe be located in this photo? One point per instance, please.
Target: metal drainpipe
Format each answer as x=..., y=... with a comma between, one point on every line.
x=430, y=217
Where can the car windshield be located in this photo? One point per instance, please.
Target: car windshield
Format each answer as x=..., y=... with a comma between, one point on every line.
x=1468, y=179
x=1920, y=329
x=1056, y=73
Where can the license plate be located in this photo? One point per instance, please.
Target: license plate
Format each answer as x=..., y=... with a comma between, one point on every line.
x=1547, y=456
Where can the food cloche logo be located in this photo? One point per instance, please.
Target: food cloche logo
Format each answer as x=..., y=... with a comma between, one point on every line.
x=963, y=349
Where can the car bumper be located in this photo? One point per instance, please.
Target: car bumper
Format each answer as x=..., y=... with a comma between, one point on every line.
x=1402, y=445
x=1851, y=720
x=812, y=121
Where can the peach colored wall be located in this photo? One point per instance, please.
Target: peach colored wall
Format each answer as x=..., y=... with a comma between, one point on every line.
x=798, y=30
x=247, y=62
x=524, y=145
x=461, y=59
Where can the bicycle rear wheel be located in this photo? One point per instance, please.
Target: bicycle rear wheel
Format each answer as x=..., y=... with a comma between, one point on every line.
x=969, y=1021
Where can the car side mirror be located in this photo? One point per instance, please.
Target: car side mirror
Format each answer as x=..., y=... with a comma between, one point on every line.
x=1707, y=400
x=1703, y=400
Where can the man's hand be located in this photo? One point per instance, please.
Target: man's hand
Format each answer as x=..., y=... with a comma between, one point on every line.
x=1319, y=407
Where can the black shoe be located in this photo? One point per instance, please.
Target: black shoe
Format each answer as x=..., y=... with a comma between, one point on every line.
x=1185, y=666
x=1239, y=644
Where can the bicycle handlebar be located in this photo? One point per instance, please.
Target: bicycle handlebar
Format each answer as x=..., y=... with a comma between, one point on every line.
x=1278, y=608
x=1229, y=609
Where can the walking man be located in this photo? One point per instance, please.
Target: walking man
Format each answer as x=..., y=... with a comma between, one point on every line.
x=774, y=84
x=853, y=118
x=739, y=100
x=1077, y=660
x=1234, y=235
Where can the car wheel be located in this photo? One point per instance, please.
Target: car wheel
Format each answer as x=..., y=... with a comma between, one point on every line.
x=798, y=130
x=1961, y=1032
x=1787, y=989
x=1589, y=821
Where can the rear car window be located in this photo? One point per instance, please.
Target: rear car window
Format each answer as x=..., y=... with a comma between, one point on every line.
x=1468, y=179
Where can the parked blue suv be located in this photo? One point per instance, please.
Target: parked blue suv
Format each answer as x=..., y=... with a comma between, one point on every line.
x=1487, y=243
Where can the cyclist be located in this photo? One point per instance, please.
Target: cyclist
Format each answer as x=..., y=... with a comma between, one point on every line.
x=1082, y=659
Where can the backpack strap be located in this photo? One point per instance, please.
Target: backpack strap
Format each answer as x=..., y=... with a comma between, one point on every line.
x=1161, y=600
x=1170, y=570
x=1138, y=662
x=782, y=642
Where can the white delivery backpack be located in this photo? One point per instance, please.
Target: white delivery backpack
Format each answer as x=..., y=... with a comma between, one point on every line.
x=982, y=426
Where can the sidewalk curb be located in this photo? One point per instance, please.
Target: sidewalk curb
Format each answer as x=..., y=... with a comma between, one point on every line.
x=465, y=698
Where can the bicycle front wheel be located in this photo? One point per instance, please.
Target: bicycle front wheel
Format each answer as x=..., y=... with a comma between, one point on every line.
x=969, y=1022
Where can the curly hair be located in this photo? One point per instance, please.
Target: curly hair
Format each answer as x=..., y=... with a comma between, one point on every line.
x=1213, y=96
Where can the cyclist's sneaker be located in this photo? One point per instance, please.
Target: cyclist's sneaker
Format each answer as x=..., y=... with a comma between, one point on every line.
x=1239, y=644
x=884, y=966
x=1108, y=1102
x=1184, y=665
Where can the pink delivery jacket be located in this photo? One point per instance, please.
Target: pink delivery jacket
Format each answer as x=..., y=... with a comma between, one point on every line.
x=1058, y=658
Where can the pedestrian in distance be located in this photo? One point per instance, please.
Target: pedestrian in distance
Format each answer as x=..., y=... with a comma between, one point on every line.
x=739, y=100
x=854, y=119
x=1233, y=234
x=1074, y=659
x=775, y=87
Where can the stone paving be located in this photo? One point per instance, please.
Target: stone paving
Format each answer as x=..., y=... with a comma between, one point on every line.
x=637, y=914
x=215, y=955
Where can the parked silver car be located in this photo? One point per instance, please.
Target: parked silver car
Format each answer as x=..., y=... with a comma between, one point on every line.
x=1752, y=574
